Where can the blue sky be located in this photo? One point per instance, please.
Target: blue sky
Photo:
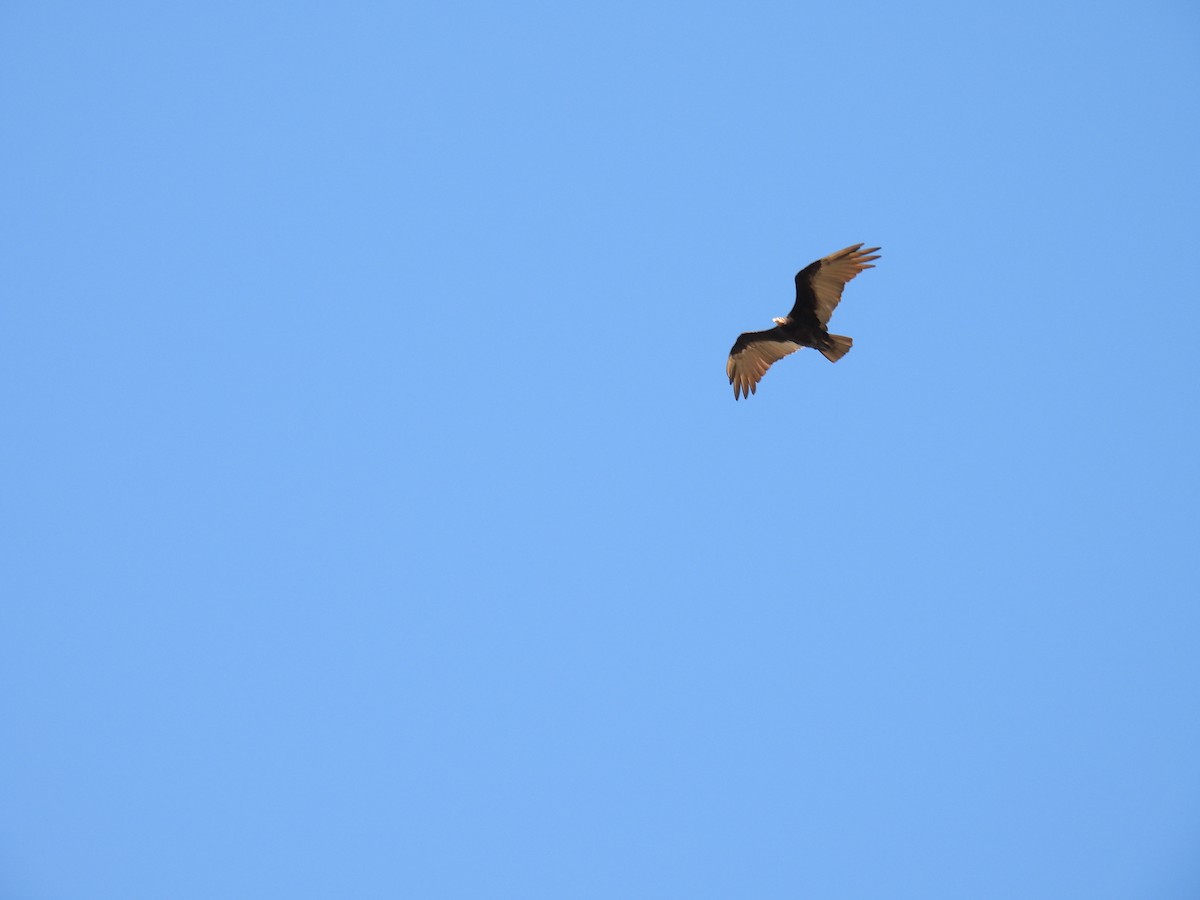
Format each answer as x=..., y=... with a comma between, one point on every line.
x=379, y=521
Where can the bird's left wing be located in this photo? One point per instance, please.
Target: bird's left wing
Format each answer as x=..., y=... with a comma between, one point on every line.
x=752, y=354
x=819, y=285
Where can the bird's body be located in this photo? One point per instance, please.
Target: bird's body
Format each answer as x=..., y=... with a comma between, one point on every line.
x=818, y=292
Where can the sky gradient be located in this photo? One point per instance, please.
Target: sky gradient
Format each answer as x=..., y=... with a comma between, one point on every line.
x=379, y=521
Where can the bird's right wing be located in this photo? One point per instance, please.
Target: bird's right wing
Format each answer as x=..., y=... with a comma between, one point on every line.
x=753, y=353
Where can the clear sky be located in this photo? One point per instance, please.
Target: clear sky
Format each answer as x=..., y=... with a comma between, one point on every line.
x=378, y=520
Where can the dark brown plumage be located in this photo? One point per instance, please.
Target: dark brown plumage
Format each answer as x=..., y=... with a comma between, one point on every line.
x=818, y=292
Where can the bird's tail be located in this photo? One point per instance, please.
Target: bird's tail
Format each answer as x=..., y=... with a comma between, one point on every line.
x=839, y=346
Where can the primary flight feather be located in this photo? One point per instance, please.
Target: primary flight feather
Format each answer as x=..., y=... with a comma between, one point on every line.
x=818, y=292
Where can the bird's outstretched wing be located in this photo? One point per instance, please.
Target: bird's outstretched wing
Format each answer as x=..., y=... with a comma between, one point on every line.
x=751, y=356
x=819, y=285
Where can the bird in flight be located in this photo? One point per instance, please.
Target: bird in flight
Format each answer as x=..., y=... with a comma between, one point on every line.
x=818, y=292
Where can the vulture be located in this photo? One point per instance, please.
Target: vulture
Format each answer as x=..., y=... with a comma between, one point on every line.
x=818, y=292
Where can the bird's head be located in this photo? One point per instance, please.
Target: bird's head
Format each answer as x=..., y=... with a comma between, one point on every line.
x=780, y=320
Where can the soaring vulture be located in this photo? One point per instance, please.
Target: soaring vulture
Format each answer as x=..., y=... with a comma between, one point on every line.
x=818, y=292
